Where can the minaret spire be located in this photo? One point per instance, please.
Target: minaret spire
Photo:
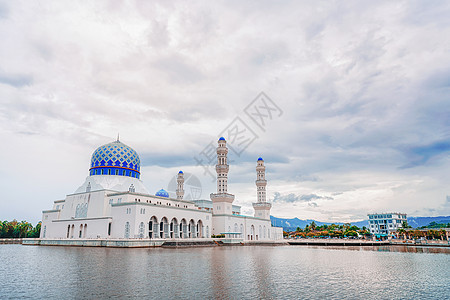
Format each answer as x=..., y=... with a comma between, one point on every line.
x=262, y=207
x=222, y=200
x=180, y=185
x=118, y=137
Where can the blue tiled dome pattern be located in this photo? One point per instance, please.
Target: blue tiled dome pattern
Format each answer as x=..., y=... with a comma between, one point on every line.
x=260, y=158
x=115, y=158
x=162, y=193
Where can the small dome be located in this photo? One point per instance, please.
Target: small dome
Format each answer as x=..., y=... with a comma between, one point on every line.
x=222, y=138
x=162, y=193
x=260, y=158
x=181, y=172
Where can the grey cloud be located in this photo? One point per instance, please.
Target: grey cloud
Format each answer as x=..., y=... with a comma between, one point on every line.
x=420, y=155
x=292, y=198
x=14, y=80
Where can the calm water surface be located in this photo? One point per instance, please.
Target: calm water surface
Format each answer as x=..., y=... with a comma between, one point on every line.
x=283, y=272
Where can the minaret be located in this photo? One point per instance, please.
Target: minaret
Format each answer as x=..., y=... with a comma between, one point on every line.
x=180, y=185
x=222, y=201
x=262, y=207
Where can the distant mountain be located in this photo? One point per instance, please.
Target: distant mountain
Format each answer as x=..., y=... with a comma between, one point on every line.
x=292, y=224
x=424, y=221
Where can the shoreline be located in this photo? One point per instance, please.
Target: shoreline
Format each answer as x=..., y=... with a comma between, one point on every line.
x=179, y=243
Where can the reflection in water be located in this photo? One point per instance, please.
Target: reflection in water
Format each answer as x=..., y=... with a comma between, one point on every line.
x=396, y=248
x=225, y=272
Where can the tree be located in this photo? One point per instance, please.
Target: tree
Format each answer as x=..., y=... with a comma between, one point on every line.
x=405, y=225
x=313, y=225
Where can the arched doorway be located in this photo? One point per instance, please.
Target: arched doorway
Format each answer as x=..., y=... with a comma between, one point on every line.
x=192, y=231
x=183, y=229
x=252, y=232
x=174, y=229
x=164, y=228
x=200, y=229
x=153, y=228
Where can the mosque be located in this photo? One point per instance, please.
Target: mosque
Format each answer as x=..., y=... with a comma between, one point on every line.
x=113, y=203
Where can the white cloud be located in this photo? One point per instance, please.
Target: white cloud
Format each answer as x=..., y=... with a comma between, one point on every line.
x=363, y=87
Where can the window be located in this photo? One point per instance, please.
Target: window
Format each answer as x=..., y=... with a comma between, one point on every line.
x=141, y=230
x=127, y=230
x=110, y=201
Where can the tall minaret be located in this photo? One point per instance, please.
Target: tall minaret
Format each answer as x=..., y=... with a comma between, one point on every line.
x=222, y=201
x=180, y=185
x=262, y=207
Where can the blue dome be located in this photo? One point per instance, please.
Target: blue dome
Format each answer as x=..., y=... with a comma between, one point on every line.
x=115, y=158
x=260, y=158
x=222, y=138
x=181, y=172
x=162, y=193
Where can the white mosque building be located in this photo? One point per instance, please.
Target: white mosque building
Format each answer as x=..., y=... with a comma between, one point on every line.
x=113, y=203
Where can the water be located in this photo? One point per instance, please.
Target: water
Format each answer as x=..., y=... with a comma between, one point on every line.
x=249, y=272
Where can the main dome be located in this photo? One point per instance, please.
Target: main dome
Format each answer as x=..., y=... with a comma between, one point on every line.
x=115, y=158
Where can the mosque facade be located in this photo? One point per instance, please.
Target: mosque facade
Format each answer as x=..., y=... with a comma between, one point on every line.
x=113, y=203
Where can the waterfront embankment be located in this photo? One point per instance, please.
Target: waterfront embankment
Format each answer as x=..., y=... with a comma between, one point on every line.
x=147, y=243
x=174, y=243
x=11, y=241
x=360, y=242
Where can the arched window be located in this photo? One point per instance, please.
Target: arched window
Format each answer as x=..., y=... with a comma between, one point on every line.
x=207, y=231
x=127, y=230
x=131, y=189
x=235, y=227
x=68, y=230
x=88, y=188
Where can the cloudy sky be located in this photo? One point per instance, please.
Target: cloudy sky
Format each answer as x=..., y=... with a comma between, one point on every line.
x=356, y=109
